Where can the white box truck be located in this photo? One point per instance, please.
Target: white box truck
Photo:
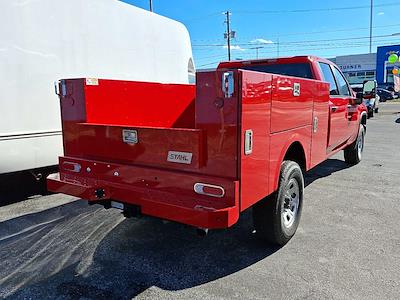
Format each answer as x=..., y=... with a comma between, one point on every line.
x=42, y=41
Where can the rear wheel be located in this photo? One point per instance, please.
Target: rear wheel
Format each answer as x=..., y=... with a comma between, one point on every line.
x=353, y=153
x=376, y=110
x=277, y=217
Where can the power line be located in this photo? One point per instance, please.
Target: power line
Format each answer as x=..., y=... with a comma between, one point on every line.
x=249, y=55
x=295, y=42
x=304, y=33
x=308, y=10
x=315, y=32
x=201, y=18
x=208, y=57
x=323, y=48
x=212, y=63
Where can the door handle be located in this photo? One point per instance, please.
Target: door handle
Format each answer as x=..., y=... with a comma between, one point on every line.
x=334, y=108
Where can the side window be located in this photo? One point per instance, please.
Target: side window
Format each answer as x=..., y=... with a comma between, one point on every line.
x=328, y=77
x=343, y=88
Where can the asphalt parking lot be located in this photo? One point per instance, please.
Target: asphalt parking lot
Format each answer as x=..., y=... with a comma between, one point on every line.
x=347, y=245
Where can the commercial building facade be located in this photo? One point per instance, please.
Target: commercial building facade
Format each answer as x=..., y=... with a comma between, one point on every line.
x=358, y=67
x=370, y=66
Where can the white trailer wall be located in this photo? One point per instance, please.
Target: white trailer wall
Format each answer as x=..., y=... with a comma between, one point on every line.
x=45, y=40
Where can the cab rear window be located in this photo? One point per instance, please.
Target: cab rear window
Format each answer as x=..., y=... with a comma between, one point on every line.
x=302, y=70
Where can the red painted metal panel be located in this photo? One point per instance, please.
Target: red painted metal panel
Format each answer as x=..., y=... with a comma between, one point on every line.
x=280, y=143
x=104, y=142
x=290, y=111
x=319, y=140
x=218, y=117
x=338, y=121
x=140, y=103
x=211, y=137
x=255, y=116
x=166, y=194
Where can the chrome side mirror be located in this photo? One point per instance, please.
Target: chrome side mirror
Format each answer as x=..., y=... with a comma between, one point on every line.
x=228, y=86
x=369, y=89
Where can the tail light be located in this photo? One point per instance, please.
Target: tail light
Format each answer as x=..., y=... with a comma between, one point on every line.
x=71, y=166
x=209, y=190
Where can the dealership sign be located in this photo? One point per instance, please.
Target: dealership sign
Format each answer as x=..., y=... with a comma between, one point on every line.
x=351, y=67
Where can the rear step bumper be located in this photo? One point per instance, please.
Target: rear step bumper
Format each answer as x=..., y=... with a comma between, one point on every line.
x=158, y=193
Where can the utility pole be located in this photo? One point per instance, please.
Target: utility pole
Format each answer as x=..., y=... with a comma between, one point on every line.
x=228, y=33
x=151, y=5
x=277, y=48
x=370, y=26
x=256, y=48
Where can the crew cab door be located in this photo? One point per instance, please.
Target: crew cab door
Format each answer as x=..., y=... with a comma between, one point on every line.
x=340, y=96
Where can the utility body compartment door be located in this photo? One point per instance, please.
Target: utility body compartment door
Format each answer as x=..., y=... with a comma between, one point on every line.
x=278, y=110
x=255, y=126
x=320, y=124
x=292, y=103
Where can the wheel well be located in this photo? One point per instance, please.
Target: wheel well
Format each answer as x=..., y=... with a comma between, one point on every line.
x=364, y=119
x=296, y=153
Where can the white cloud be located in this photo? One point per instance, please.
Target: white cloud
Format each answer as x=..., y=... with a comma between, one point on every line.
x=261, y=41
x=235, y=47
x=381, y=13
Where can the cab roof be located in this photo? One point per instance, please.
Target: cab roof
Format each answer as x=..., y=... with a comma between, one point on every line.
x=282, y=60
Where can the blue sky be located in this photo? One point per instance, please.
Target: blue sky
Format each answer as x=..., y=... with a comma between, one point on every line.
x=314, y=27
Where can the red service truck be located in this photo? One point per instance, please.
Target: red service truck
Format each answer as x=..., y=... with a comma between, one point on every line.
x=242, y=137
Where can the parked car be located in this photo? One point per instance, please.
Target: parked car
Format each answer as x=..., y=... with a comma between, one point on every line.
x=386, y=95
x=372, y=103
x=390, y=88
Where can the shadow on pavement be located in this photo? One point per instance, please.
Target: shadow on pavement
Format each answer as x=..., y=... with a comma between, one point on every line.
x=325, y=169
x=75, y=251
x=15, y=187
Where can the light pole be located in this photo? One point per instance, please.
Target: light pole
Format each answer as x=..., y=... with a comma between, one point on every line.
x=151, y=5
x=370, y=26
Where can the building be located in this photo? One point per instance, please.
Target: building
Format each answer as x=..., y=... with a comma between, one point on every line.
x=384, y=75
x=370, y=66
x=358, y=67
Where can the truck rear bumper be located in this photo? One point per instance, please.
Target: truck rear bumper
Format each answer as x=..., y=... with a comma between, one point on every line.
x=159, y=193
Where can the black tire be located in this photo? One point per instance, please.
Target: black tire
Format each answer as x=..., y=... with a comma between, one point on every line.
x=376, y=110
x=270, y=215
x=353, y=153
